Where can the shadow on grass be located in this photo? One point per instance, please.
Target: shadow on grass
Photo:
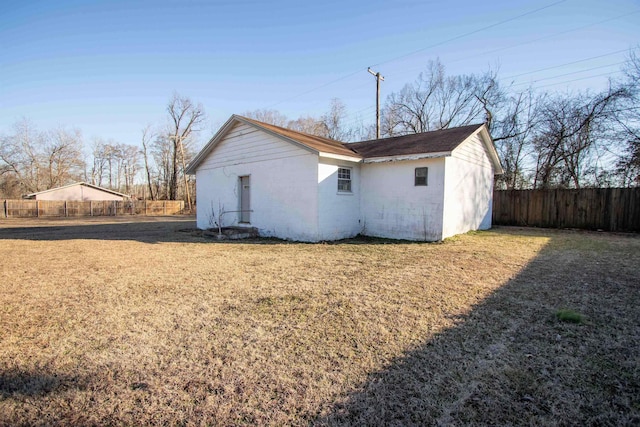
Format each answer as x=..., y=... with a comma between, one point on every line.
x=34, y=384
x=511, y=361
x=156, y=230
x=151, y=231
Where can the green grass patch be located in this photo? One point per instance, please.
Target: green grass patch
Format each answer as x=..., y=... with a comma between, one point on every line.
x=567, y=315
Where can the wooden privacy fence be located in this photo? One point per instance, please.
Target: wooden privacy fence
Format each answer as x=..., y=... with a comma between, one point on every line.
x=611, y=209
x=47, y=208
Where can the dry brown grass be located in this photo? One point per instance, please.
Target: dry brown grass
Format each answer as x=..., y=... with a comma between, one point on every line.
x=137, y=323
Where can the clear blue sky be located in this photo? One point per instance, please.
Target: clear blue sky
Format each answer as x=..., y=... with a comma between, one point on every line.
x=109, y=67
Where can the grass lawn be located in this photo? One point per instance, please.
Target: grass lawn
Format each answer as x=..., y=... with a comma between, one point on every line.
x=131, y=321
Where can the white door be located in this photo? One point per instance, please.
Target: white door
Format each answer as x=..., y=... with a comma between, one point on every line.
x=245, y=200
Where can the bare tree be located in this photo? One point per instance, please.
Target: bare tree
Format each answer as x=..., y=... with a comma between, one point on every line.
x=627, y=119
x=330, y=125
x=40, y=161
x=571, y=129
x=435, y=101
x=114, y=165
x=512, y=130
x=185, y=119
x=308, y=125
x=270, y=116
x=161, y=150
x=130, y=166
x=64, y=162
x=333, y=121
x=147, y=136
x=20, y=156
x=99, y=161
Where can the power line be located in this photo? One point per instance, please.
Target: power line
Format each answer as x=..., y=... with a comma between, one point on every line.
x=567, y=74
x=550, y=35
x=467, y=57
x=416, y=51
x=582, y=78
x=317, y=88
x=355, y=118
x=565, y=64
x=469, y=33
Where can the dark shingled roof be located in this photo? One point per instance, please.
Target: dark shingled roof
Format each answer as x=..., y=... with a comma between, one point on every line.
x=437, y=141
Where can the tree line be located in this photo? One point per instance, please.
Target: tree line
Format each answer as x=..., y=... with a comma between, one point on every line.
x=545, y=139
x=32, y=160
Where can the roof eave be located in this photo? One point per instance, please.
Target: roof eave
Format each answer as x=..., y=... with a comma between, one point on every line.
x=340, y=157
x=488, y=140
x=404, y=157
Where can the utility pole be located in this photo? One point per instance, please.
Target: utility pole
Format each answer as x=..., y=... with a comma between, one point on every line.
x=179, y=138
x=378, y=79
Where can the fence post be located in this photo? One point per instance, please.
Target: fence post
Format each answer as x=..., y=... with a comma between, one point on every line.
x=37, y=210
x=145, y=207
x=164, y=207
x=65, y=209
x=6, y=209
x=90, y=207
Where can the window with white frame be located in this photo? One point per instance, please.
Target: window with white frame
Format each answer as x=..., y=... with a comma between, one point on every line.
x=421, y=176
x=344, y=180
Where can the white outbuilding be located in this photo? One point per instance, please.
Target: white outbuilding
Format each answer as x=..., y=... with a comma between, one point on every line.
x=78, y=191
x=302, y=187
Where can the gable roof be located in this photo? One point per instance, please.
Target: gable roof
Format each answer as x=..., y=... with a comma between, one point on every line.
x=309, y=142
x=86, y=184
x=318, y=143
x=437, y=143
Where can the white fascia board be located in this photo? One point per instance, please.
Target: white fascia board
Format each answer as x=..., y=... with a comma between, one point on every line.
x=193, y=165
x=340, y=157
x=408, y=157
x=485, y=136
x=492, y=149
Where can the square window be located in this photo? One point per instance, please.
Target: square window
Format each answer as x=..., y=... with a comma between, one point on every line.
x=421, y=176
x=344, y=180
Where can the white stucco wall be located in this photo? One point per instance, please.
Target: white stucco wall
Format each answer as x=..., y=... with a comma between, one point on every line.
x=393, y=207
x=339, y=212
x=78, y=193
x=468, y=189
x=284, y=183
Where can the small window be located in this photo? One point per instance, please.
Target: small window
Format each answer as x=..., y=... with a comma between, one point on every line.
x=421, y=176
x=344, y=180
